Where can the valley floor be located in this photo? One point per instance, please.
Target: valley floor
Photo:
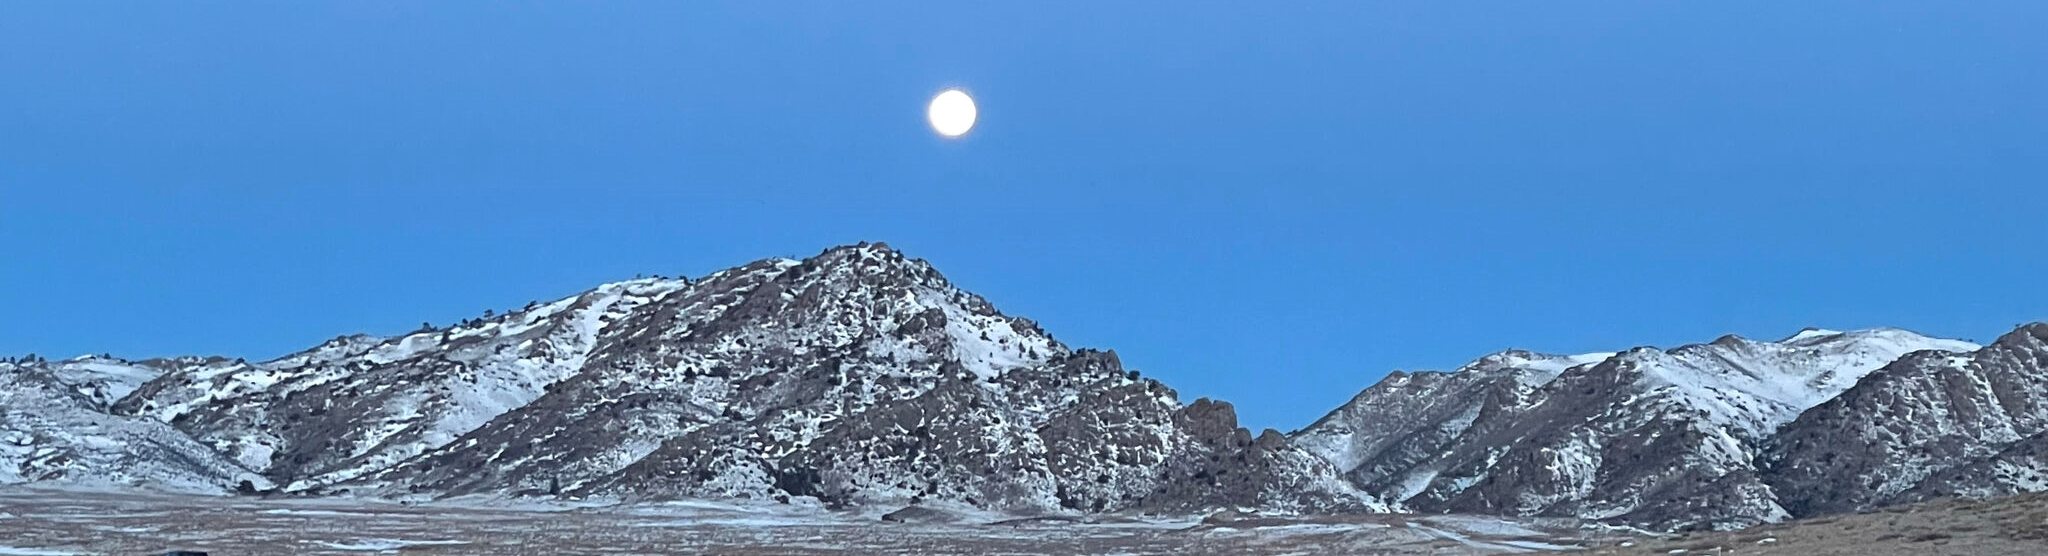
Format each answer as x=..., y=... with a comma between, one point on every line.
x=51, y=522
x=2009, y=526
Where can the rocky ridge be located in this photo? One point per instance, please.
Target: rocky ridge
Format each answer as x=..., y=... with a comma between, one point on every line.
x=1658, y=438
x=861, y=376
x=855, y=376
x=1929, y=425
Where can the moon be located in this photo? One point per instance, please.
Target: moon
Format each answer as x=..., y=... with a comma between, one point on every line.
x=952, y=113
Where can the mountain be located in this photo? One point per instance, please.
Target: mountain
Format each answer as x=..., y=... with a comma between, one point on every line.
x=862, y=376
x=1928, y=425
x=1386, y=438
x=855, y=376
x=358, y=404
x=56, y=428
x=1659, y=438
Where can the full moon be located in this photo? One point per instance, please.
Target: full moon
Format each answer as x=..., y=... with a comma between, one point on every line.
x=952, y=113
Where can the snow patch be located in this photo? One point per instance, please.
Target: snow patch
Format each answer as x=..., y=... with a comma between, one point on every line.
x=384, y=545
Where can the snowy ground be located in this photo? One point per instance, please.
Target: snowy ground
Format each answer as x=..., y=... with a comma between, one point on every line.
x=45, y=522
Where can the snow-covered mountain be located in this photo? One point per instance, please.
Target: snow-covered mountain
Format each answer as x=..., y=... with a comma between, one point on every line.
x=1928, y=425
x=1382, y=438
x=55, y=428
x=862, y=376
x=356, y=404
x=1663, y=438
x=856, y=376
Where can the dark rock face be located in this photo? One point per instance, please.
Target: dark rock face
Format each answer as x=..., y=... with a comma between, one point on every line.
x=856, y=376
x=1930, y=424
x=1221, y=465
x=2018, y=467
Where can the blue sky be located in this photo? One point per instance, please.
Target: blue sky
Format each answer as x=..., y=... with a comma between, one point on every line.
x=1275, y=205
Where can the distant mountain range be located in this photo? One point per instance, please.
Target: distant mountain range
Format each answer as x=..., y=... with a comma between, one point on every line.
x=861, y=376
x=1662, y=438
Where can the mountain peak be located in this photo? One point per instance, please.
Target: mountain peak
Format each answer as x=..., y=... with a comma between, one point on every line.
x=1810, y=333
x=1730, y=340
x=1526, y=360
x=2030, y=334
x=865, y=259
x=862, y=250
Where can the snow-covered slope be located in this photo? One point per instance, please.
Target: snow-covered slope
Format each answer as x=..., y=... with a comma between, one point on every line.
x=1383, y=435
x=55, y=428
x=358, y=404
x=1656, y=437
x=858, y=375
x=1753, y=387
x=103, y=380
x=1931, y=424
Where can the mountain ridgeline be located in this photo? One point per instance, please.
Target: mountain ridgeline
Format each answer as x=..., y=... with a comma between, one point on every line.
x=856, y=376
x=1727, y=434
x=861, y=376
